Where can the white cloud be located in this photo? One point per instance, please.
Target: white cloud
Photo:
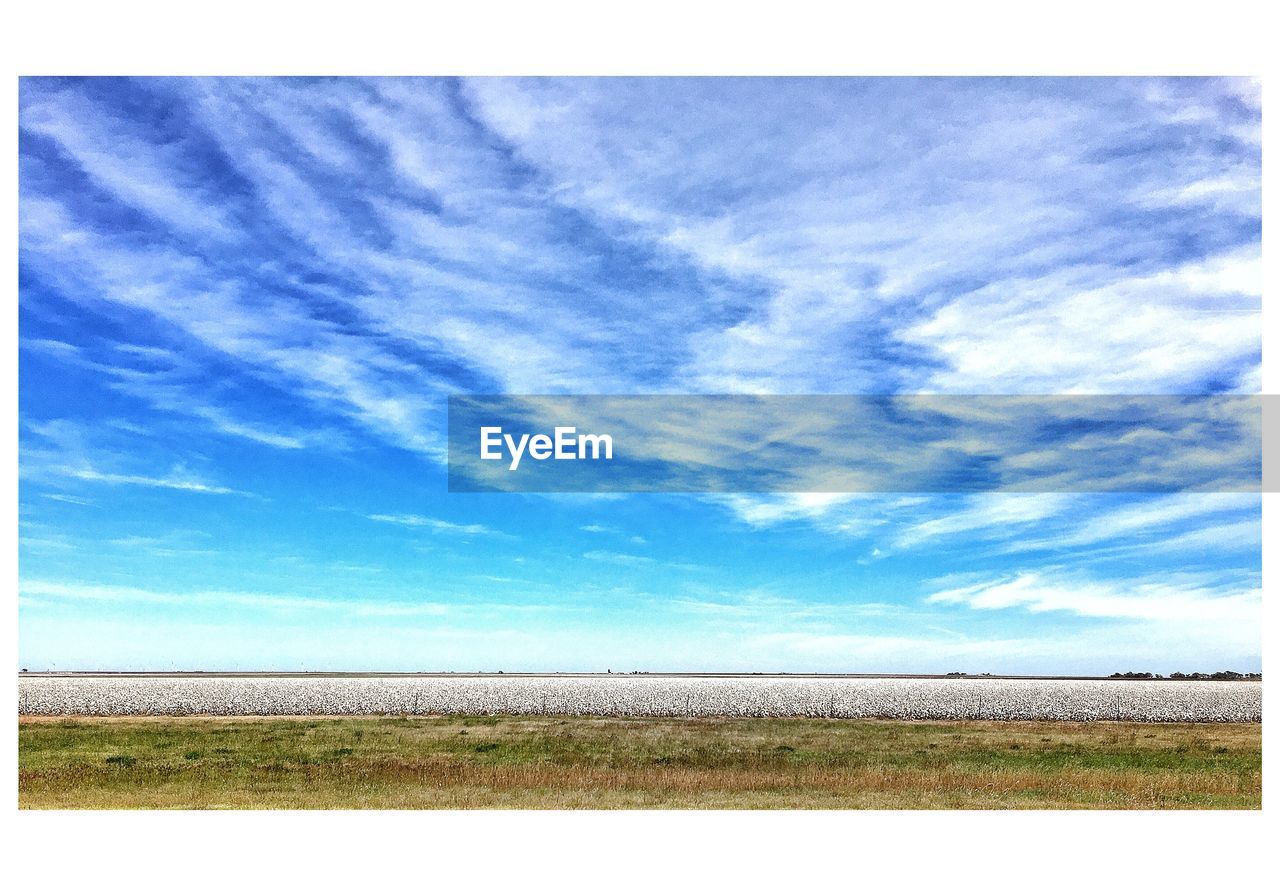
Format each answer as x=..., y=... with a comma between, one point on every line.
x=361, y=608
x=999, y=249
x=67, y=499
x=986, y=513
x=1136, y=522
x=142, y=174
x=1155, y=333
x=767, y=510
x=179, y=481
x=617, y=559
x=1145, y=599
x=435, y=524
x=483, y=239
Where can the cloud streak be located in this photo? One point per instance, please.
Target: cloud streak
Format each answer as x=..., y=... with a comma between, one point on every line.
x=533, y=235
x=1145, y=599
x=114, y=595
x=417, y=521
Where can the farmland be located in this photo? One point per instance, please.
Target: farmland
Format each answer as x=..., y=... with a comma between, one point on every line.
x=646, y=696
x=537, y=761
x=594, y=741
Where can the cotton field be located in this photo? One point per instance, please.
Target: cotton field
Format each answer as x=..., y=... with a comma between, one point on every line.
x=899, y=698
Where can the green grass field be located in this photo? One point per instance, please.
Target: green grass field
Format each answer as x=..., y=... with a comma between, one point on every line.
x=598, y=763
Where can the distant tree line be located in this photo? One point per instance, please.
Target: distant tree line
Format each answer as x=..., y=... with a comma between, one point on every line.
x=1178, y=675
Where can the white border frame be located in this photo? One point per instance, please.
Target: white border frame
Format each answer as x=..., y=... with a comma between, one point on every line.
x=375, y=37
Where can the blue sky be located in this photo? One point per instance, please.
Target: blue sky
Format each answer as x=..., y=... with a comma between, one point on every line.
x=244, y=303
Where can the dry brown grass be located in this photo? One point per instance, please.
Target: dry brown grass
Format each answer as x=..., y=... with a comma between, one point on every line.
x=546, y=762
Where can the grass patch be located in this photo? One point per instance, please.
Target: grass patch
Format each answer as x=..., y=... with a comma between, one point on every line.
x=601, y=763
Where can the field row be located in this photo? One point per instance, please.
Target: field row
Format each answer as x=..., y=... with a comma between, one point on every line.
x=897, y=698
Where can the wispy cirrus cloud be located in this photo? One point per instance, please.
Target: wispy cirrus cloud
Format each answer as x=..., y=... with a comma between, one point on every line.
x=1137, y=522
x=177, y=480
x=74, y=452
x=615, y=558
x=1044, y=525
x=363, y=608
x=533, y=235
x=988, y=514
x=1144, y=598
x=1019, y=222
x=417, y=521
x=156, y=178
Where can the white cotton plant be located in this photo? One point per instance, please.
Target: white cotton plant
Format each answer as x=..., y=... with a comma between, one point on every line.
x=908, y=698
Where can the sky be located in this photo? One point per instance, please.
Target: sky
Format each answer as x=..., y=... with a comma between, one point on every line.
x=243, y=305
